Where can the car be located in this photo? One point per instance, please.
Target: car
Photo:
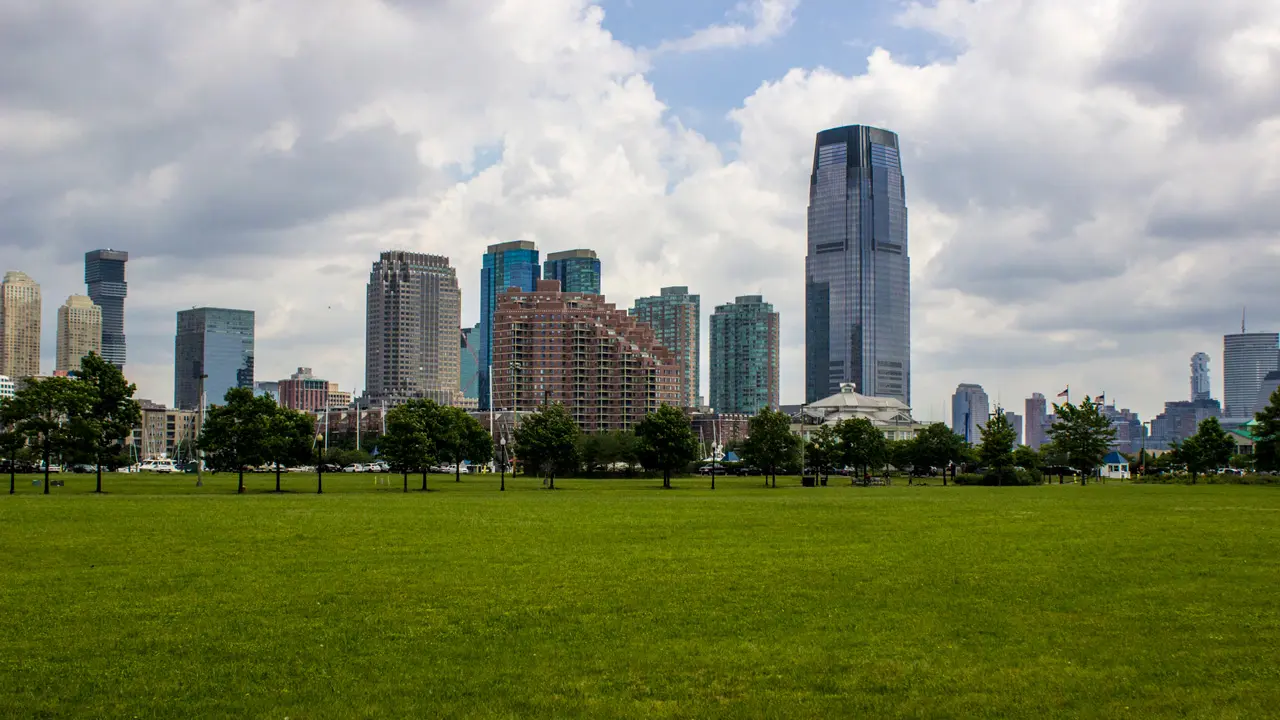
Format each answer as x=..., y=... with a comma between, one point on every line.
x=706, y=469
x=376, y=467
x=353, y=468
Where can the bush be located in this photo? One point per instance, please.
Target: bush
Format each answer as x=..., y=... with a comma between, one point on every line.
x=1001, y=477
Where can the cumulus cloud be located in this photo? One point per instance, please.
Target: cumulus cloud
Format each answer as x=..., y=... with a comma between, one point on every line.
x=765, y=20
x=1077, y=215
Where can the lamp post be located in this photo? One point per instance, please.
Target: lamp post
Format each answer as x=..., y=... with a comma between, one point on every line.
x=319, y=464
x=502, y=462
x=1142, y=466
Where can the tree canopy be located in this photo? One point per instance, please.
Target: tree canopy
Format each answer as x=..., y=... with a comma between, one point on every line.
x=461, y=438
x=50, y=414
x=998, y=437
x=410, y=442
x=1082, y=435
x=1211, y=447
x=822, y=452
x=234, y=434
x=666, y=442
x=547, y=442
x=1266, y=433
x=112, y=414
x=770, y=444
x=863, y=446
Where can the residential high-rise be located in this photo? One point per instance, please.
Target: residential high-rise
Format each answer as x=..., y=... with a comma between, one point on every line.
x=1034, y=419
x=469, y=363
x=577, y=270
x=304, y=391
x=1015, y=420
x=1246, y=360
x=676, y=319
x=857, y=271
x=104, y=274
x=79, y=332
x=19, y=326
x=1201, y=389
x=744, y=356
x=216, y=343
x=970, y=408
x=7, y=389
x=412, y=310
x=506, y=265
x=605, y=367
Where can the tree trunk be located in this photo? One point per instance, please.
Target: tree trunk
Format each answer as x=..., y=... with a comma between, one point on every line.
x=666, y=479
x=98, y=489
x=551, y=481
x=277, y=477
x=424, y=480
x=240, y=484
x=320, y=479
x=457, y=470
x=46, y=466
x=405, y=473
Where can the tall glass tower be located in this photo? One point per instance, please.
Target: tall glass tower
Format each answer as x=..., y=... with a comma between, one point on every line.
x=676, y=318
x=1246, y=360
x=506, y=265
x=104, y=274
x=577, y=270
x=216, y=343
x=744, y=356
x=857, y=272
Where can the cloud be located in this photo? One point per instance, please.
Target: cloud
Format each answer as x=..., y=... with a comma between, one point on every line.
x=766, y=20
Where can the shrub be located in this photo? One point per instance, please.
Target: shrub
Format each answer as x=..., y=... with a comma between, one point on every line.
x=1001, y=477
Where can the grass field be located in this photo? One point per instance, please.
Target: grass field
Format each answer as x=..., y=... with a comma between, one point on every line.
x=617, y=599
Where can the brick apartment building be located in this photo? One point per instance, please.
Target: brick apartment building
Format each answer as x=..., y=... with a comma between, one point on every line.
x=603, y=365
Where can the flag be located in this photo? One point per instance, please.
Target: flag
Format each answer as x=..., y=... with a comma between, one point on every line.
x=1101, y=399
x=1065, y=393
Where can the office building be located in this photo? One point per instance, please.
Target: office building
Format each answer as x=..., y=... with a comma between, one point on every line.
x=1270, y=384
x=1180, y=420
x=165, y=433
x=1130, y=435
x=104, y=276
x=412, y=309
x=604, y=366
x=79, y=332
x=505, y=266
x=970, y=408
x=1246, y=360
x=267, y=388
x=304, y=391
x=857, y=271
x=1035, y=419
x=469, y=364
x=1015, y=421
x=19, y=326
x=744, y=356
x=216, y=343
x=676, y=319
x=1201, y=389
x=577, y=270
x=7, y=389
x=339, y=398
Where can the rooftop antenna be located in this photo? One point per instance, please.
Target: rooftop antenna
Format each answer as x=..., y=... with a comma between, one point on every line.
x=1243, y=311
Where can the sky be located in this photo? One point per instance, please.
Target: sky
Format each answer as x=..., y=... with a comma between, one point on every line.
x=1092, y=185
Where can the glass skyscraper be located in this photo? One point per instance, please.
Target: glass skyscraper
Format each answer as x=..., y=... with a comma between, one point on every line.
x=104, y=274
x=1247, y=358
x=577, y=270
x=744, y=356
x=857, y=272
x=506, y=265
x=217, y=343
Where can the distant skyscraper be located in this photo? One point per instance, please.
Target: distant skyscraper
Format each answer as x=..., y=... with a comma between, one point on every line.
x=506, y=265
x=412, y=309
x=857, y=273
x=1036, y=414
x=1016, y=421
x=1200, y=387
x=469, y=363
x=7, y=389
x=577, y=270
x=217, y=343
x=970, y=407
x=104, y=274
x=1246, y=360
x=676, y=318
x=1270, y=384
x=267, y=388
x=79, y=332
x=744, y=356
x=19, y=326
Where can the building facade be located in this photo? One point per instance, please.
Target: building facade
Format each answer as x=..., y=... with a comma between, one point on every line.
x=20, y=308
x=266, y=388
x=216, y=343
x=857, y=270
x=104, y=276
x=1246, y=360
x=505, y=266
x=412, y=309
x=606, y=368
x=744, y=356
x=1015, y=421
x=339, y=398
x=970, y=408
x=577, y=270
x=165, y=433
x=1201, y=389
x=469, y=363
x=304, y=391
x=1035, y=419
x=7, y=389
x=1180, y=420
x=676, y=319
x=79, y=332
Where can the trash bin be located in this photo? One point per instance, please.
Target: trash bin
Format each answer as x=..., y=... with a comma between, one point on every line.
x=809, y=481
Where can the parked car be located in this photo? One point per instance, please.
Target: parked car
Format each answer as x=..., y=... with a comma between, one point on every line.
x=376, y=467
x=353, y=468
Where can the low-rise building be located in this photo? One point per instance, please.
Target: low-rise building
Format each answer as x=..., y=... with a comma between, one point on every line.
x=304, y=391
x=889, y=415
x=165, y=432
x=6, y=387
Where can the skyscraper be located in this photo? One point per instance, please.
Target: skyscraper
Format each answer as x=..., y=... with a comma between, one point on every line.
x=970, y=407
x=744, y=356
x=1246, y=360
x=506, y=265
x=676, y=318
x=1034, y=419
x=412, y=310
x=469, y=363
x=216, y=343
x=577, y=270
x=1015, y=420
x=857, y=272
x=19, y=326
x=1200, y=387
x=79, y=332
x=104, y=274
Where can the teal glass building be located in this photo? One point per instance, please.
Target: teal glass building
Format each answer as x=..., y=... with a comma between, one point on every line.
x=217, y=343
x=744, y=356
x=577, y=270
x=506, y=265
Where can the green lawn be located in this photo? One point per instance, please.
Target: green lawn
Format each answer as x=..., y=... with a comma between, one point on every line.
x=618, y=599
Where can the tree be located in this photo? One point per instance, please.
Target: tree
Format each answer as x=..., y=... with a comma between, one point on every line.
x=666, y=442
x=937, y=447
x=113, y=414
x=49, y=414
x=288, y=438
x=11, y=441
x=1209, y=448
x=1025, y=457
x=901, y=454
x=461, y=437
x=1082, y=435
x=862, y=445
x=822, y=452
x=233, y=435
x=998, y=437
x=770, y=444
x=1266, y=434
x=547, y=442
x=409, y=443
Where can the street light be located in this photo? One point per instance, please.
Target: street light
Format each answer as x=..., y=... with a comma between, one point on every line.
x=320, y=464
x=502, y=463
